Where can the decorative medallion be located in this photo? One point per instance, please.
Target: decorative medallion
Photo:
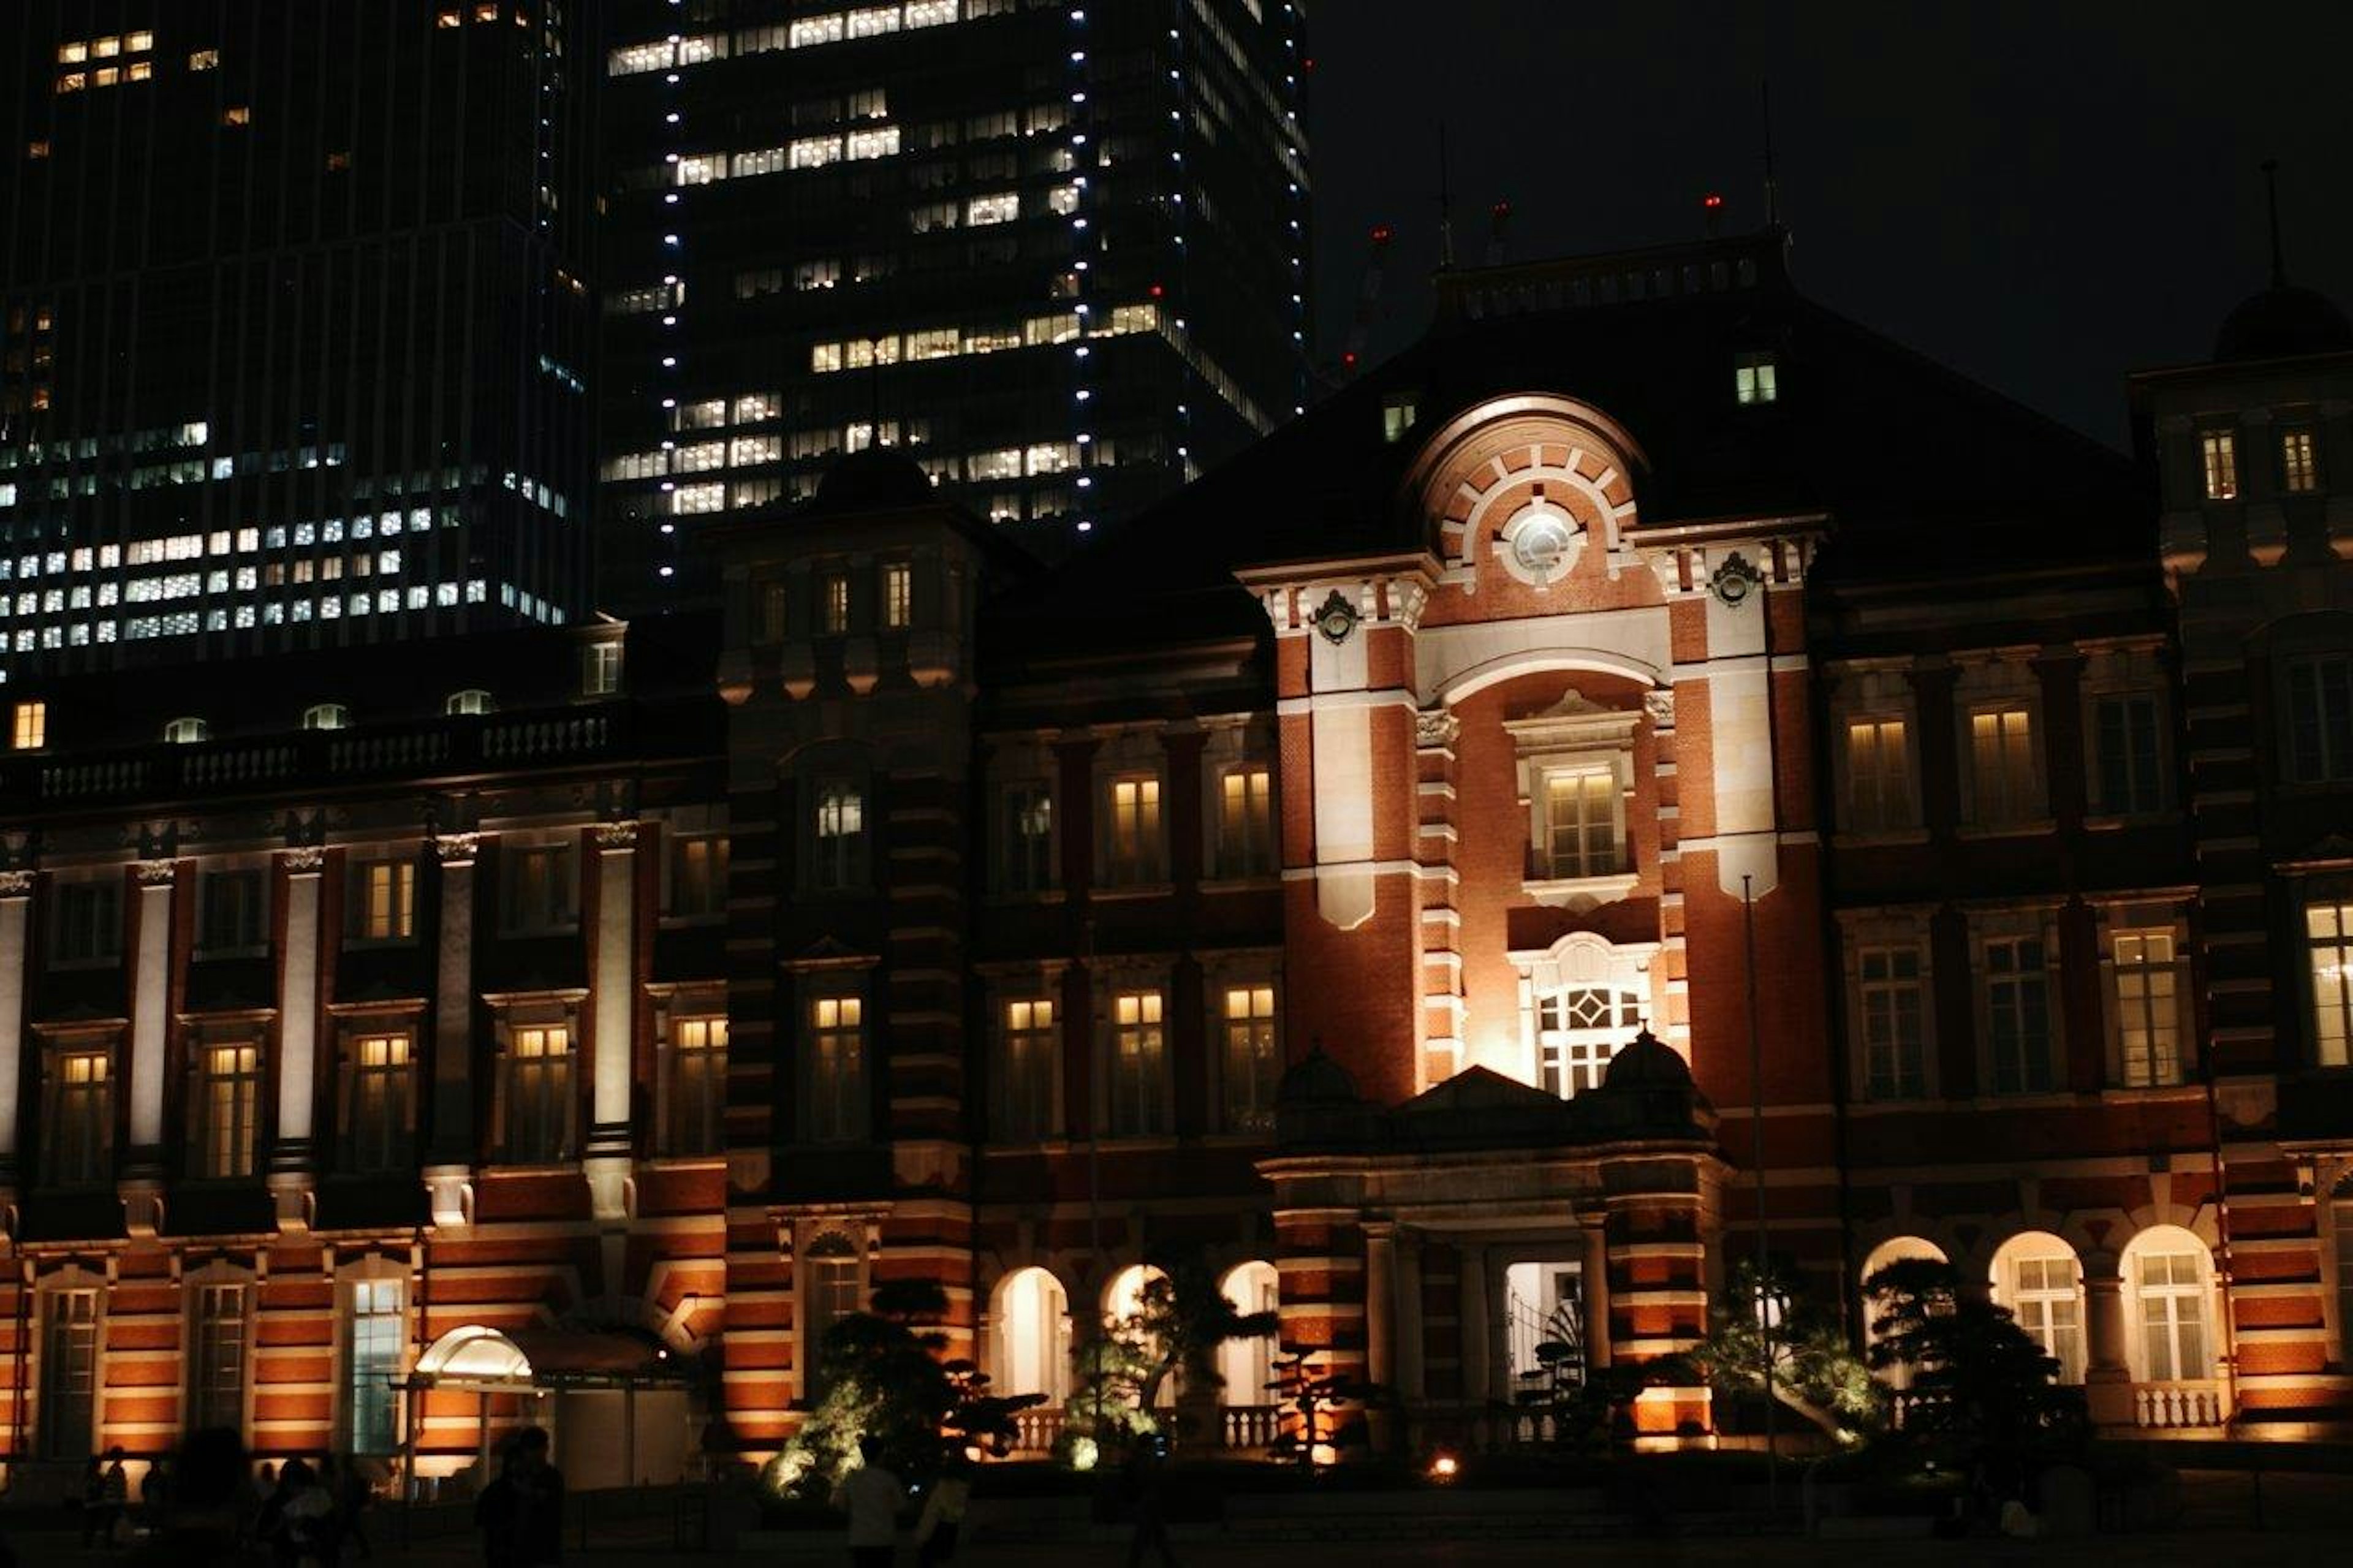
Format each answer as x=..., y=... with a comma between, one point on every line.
x=1337, y=618
x=1734, y=581
x=1661, y=705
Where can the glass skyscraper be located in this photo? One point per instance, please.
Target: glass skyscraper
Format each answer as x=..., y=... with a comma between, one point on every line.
x=1057, y=252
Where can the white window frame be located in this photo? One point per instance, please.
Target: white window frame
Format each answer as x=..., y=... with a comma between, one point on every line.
x=1889, y=932
x=2218, y=456
x=1238, y=751
x=1138, y=859
x=837, y=1106
x=360, y=925
x=2155, y=1307
x=357, y=1034
x=1580, y=962
x=1148, y=1023
x=209, y=1160
x=840, y=830
x=2036, y=1306
x=202, y=1288
x=2324, y=935
x=96, y=1165
x=365, y=1277
x=1576, y=737
x=829, y=1274
x=2145, y=978
x=1990, y=929
x=75, y=1287
x=1245, y=1102
x=520, y=1017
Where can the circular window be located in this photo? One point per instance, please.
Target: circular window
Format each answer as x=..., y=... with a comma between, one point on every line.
x=1540, y=545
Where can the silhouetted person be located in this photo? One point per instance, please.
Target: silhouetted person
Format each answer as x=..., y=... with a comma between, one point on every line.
x=942, y=1517
x=871, y=1496
x=1147, y=1497
x=539, y=1502
x=113, y=1497
x=93, y=1501
x=204, y=1509
x=301, y=1520
x=353, y=1496
x=494, y=1511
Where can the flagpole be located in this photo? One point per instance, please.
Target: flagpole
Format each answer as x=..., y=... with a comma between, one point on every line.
x=1764, y=1233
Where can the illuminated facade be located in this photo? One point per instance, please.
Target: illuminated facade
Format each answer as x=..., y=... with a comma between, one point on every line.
x=1348, y=878
x=1058, y=252
x=295, y=325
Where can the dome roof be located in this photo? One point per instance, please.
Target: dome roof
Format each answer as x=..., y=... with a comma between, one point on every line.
x=1646, y=1062
x=1316, y=1079
x=880, y=478
x=2282, y=321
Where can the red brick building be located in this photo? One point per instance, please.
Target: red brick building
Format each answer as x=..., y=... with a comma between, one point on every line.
x=1373, y=875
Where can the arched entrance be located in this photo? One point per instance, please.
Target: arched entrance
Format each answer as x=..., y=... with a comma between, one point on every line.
x=615, y=1403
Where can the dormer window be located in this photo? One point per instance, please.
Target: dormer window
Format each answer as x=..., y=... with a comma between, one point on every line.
x=472, y=700
x=1756, y=378
x=326, y=716
x=1396, y=416
x=186, y=731
x=600, y=669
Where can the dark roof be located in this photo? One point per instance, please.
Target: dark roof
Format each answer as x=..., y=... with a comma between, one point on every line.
x=2281, y=323
x=880, y=478
x=1921, y=470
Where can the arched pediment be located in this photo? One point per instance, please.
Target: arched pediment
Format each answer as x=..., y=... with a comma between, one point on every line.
x=1527, y=480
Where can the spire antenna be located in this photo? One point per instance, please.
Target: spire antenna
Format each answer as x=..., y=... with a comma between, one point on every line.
x=1772, y=185
x=1445, y=205
x=2271, y=197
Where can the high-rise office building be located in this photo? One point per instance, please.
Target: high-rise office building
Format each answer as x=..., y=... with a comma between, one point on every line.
x=1058, y=250
x=296, y=322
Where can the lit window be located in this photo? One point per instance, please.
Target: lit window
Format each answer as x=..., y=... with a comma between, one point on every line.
x=833, y=602
x=72, y=81
x=2298, y=472
x=1002, y=207
x=838, y=862
x=2044, y=1292
x=1246, y=822
x=1027, y=1075
x=375, y=1330
x=326, y=716
x=203, y=60
x=81, y=1112
x=2219, y=452
x=2017, y=1001
x=2328, y=943
x=1253, y=1061
x=186, y=731
x=837, y=1070
x=384, y=901
x=898, y=595
x=601, y=669
x=73, y=53
x=1028, y=837
x=2320, y=719
x=539, y=1094
x=698, y=877
x=1137, y=1092
x=217, y=1357
x=139, y=43
x=1581, y=837
x=539, y=892
x=381, y=1102
x=29, y=729
x=35, y=150
x=2007, y=787
x=2171, y=1290
x=138, y=70
x=1396, y=416
x=2148, y=1008
x=1879, y=775
x=2125, y=731
x=105, y=49
x=338, y=162
x=236, y=114
x=1133, y=844
x=698, y=1085
x=1756, y=378
x=227, y=1104
x=1579, y=1030
x=473, y=699
x=1892, y=1014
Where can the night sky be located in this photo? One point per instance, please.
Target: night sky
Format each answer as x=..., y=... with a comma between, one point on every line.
x=2043, y=195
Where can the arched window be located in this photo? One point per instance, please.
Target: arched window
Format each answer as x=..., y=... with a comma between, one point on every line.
x=186, y=731
x=1123, y=1299
x=1248, y=1365
x=2168, y=1279
x=473, y=699
x=1896, y=1249
x=1033, y=1336
x=1583, y=1000
x=2036, y=1276
x=326, y=716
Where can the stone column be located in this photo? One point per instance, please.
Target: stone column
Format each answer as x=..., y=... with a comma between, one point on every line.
x=292, y=1161
x=1478, y=1332
x=16, y=920
x=1595, y=1279
x=2107, y=1370
x=1409, y=1332
x=1380, y=1297
x=142, y=1186
x=613, y=969
x=450, y=1162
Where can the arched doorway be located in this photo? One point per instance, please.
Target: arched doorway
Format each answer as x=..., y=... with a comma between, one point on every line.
x=1033, y=1336
x=1247, y=1367
x=2168, y=1280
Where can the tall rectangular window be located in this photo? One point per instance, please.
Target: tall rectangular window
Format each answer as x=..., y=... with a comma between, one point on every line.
x=232, y=907
x=69, y=1405
x=833, y=602
x=1756, y=378
x=28, y=729
x=81, y=1116
x=539, y=888
x=1032, y=1054
x=375, y=1140
x=898, y=595
x=216, y=1356
x=539, y=1094
x=1028, y=836
x=1894, y=1012
x=698, y=1085
x=698, y=876
x=2320, y=719
x=837, y=1070
x=839, y=860
x=2148, y=1009
x=89, y=921
x=1138, y=1087
x=1580, y=823
x=2329, y=951
x=2017, y=1014
x=600, y=669
x=1246, y=822
x=228, y=1108
x=2299, y=471
x=1879, y=775
x=2001, y=766
x=2219, y=452
x=384, y=901
x=374, y=1332
x=1251, y=1065
x=834, y=1281
x=2130, y=754
x=2171, y=1287
x=1133, y=840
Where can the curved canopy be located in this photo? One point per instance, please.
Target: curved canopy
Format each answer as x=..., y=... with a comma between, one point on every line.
x=477, y=1356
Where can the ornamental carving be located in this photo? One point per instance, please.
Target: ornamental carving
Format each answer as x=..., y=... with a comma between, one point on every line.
x=16, y=884
x=306, y=861
x=616, y=835
x=1734, y=581
x=1436, y=727
x=456, y=848
x=1661, y=705
x=156, y=873
x=1337, y=617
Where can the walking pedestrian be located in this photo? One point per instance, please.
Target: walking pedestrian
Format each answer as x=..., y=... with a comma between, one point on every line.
x=539, y=1503
x=494, y=1511
x=871, y=1496
x=942, y=1521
